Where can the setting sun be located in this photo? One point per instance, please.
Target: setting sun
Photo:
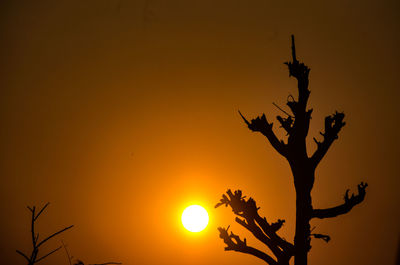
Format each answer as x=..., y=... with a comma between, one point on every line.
x=195, y=218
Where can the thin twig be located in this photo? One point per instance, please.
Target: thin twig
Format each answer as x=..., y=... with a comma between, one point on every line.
x=66, y=250
x=48, y=254
x=44, y=207
x=53, y=235
x=22, y=254
x=282, y=110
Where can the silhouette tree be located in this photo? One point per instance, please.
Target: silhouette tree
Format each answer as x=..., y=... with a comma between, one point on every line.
x=36, y=243
x=303, y=169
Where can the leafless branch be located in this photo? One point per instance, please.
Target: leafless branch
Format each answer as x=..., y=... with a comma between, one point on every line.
x=35, y=237
x=276, y=105
x=44, y=207
x=286, y=123
x=259, y=227
x=53, y=235
x=233, y=242
x=349, y=203
x=48, y=254
x=23, y=255
x=333, y=125
x=326, y=238
x=300, y=71
x=67, y=252
x=261, y=125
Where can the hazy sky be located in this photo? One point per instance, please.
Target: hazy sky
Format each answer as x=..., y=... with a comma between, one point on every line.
x=121, y=113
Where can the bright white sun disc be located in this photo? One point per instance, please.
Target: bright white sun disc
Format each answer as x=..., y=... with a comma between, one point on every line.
x=195, y=218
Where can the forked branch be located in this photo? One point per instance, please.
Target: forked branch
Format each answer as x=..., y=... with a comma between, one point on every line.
x=35, y=238
x=258, y=226
x=233, y=242
x=349, y=203
x=261, y=125
x=333, y=124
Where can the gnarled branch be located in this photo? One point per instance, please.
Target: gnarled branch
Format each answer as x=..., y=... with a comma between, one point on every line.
x=297, y=128
x=300, y=71
x=349, y=203
x=286, y=123
x=326, y=238
x=258, y=226
x=333, y=124
x=261, y=125
x=233, y=242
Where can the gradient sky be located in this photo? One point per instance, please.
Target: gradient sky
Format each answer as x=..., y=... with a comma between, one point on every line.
x=121, y=113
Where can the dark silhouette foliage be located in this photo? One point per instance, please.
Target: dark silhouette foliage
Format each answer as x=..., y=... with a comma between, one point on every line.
x=303, y=170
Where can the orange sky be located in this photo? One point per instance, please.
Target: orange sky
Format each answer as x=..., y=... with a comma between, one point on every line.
x=121, y=115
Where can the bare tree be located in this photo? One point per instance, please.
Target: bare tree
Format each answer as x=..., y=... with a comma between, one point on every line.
x=36, y=243
x=303, y=169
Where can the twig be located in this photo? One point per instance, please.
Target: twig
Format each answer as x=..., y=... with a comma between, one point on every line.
x=45, y=256
x=37, y=216
x=53, y=235
x=35, y=238
x=22, y=254
x=282, y=110
x=66, y=250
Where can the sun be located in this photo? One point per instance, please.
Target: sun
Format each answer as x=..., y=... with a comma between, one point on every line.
x=195, y=218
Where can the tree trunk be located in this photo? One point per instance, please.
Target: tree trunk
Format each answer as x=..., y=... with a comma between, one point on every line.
x=302, y=235
x=303, y=180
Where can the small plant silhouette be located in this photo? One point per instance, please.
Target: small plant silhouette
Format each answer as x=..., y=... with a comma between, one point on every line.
x=36, y=243
x=303, y=170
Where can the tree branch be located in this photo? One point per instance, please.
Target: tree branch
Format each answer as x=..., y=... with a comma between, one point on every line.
x=40, y=212
x=261, y=125
x=233, y=242
x=35, y=237
x=333, y=124
x=349, y=203
x=286, y=123
x=251, y=226
x=53, y=235
x=23, y=255
x=297, y=128
x=300, y=71
x=271, y=229
x=48, y=254
x=67, y=252
x=326, y=238
x=258, y=226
